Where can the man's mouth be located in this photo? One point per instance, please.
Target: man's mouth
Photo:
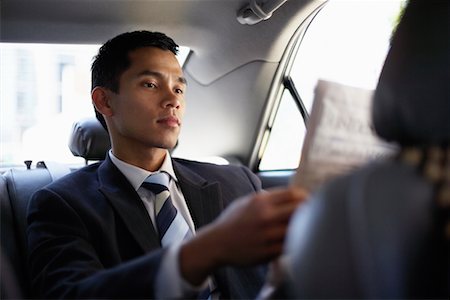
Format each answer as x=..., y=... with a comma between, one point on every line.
x=170, y=121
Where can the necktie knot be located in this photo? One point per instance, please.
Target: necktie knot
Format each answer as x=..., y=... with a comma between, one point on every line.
x=171, y=225
x=157, y=183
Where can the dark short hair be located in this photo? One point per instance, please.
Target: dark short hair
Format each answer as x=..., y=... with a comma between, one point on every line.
x=112, y=58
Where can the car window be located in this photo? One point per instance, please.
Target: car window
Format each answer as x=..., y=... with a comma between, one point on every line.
x=44, y=88
x=289, y=130
x=351, y=51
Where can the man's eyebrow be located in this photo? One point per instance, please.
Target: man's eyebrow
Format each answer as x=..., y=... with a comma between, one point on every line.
x=180, y=79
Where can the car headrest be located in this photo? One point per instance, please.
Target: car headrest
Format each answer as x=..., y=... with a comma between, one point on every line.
x=89, y=139
x=412, y=101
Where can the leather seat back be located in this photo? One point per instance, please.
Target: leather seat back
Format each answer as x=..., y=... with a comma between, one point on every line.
x=16, y=188
x=90, y=141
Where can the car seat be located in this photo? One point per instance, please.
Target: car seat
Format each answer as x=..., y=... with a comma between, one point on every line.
x=88, y=140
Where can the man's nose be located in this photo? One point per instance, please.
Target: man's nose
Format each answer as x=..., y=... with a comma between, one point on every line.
x=171, y=99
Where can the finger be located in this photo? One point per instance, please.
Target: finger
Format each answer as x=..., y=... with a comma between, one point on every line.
x=280, y=213
x=276, y=233
x=278, y=196
x=284, y=212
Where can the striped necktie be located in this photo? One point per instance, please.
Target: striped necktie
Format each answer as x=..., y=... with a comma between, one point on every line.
x=172, y=227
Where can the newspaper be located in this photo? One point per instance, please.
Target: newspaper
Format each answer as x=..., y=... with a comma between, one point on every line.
x=339, y=136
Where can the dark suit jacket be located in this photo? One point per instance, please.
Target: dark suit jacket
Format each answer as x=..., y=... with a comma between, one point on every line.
x=90, y=235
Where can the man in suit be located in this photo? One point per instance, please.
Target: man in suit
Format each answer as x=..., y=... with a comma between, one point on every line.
x=95, y=232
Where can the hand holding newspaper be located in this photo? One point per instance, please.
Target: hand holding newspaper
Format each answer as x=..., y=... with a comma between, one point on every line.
x=339, y=136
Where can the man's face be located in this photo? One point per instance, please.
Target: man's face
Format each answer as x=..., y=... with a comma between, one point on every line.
x=148, y=110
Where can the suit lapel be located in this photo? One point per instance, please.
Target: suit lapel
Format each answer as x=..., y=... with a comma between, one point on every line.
x=128, y=205
x=204, y=199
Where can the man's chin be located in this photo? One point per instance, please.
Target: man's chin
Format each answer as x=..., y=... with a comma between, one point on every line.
x=169, y=146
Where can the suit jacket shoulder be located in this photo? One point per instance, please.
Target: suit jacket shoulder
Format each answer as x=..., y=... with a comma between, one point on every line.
x=226, y=174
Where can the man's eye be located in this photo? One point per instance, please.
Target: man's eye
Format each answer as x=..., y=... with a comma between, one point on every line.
x=179, y=91
x=149, y=85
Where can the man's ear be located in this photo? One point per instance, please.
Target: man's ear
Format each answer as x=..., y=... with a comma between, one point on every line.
x=100, y=99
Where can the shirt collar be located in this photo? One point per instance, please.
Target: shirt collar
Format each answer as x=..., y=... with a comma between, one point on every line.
x=136, y=175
